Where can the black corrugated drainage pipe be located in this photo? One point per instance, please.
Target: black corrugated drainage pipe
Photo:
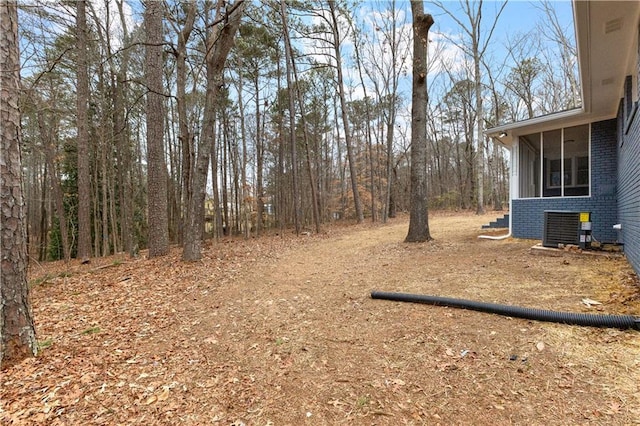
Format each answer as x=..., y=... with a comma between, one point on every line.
x=572, y=318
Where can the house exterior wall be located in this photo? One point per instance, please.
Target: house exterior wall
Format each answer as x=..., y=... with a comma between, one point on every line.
x=528, y=213
x=629, y=185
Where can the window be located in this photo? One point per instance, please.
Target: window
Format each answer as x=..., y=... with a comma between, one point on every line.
x=555, y=163
x=628, y=101
x=556, y=173
x=631, y=93
x=582, y=167
x=638, y=63
x=529, y=160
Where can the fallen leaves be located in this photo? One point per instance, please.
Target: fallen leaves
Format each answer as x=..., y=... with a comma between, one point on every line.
x=267, y=330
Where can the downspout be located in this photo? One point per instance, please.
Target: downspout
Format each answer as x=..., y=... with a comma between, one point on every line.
x=501, y=237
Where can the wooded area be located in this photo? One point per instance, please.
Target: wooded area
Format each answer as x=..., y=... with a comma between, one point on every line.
x=154, y=123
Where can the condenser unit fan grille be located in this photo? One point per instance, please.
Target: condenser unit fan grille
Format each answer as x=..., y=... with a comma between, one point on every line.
x=561, y=228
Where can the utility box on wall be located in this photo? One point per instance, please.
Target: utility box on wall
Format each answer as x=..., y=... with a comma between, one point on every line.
x=567, y=227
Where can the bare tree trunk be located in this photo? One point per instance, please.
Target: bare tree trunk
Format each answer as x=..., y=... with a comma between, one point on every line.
x=342, y=171
x=234, y=155
x=84, y=176
x=480, y=132
x=58, y=200
x=259, y=161
x=292, y=122
x=17, y=331
x=393, y=34
x=368, y=129
x=243, y=191
x=121, y=132
x=494, y=163
x=419, y=216
x=225, y=175
x=393, y=206
x=312, y=177
x=280, y=199
x=156, y=174
x=475, y=49
x=345, y=119
x=44, y=211
x=102, y=147
x=219, y=41
x=96, y=212
x=218, y=229
x=186, y=140
x=217, y=213
x=305, y=133
x=48, y=137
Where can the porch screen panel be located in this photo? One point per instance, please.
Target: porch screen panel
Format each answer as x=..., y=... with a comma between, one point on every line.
x=552, y=163
x=529, y=166
x=555, y=163
x=576, y=155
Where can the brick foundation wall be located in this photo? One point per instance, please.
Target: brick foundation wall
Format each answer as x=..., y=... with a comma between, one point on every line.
x=528, y=214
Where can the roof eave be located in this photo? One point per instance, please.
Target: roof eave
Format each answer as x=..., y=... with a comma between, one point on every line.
x=506, y=133
x=601, y=69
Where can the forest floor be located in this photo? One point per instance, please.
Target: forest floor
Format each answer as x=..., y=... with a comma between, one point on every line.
x=281, y=330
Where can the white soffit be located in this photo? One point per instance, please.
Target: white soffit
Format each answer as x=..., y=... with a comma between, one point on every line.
x=607, y=34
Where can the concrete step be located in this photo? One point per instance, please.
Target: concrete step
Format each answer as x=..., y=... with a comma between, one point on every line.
x=501, y=222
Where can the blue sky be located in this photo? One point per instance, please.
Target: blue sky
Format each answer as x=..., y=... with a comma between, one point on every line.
x=518, y=14
x=518, y=17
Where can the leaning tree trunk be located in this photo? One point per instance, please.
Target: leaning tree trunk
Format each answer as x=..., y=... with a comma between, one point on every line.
x=186, y=140
x=418, y=216
x=220, y=40
x=345, y=119
x=17, y=332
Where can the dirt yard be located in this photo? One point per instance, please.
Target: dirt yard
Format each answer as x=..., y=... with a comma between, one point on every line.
x=282, y=331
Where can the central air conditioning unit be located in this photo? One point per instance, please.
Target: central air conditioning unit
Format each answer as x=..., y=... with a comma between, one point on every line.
x=567, y=227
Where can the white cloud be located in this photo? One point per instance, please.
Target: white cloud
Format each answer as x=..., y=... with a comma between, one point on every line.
x=444, y=54
x=108, y=16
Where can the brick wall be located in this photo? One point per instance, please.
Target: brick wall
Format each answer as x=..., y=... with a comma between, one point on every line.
x=528, y=214
x=629, y=185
